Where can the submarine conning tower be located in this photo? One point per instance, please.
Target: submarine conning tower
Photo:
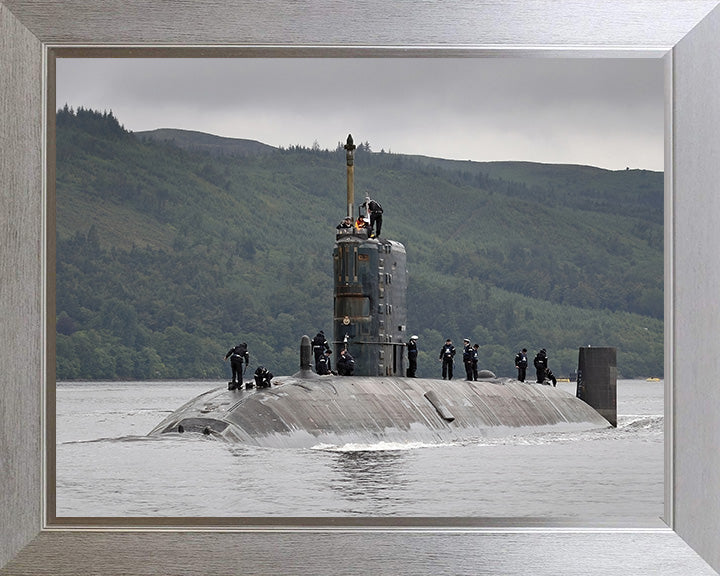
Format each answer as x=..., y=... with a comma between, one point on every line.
x=370, y=285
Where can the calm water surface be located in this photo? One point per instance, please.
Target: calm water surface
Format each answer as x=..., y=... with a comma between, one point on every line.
x=107, y=466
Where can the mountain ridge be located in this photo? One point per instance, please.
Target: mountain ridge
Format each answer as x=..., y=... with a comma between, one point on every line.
x=193, y=140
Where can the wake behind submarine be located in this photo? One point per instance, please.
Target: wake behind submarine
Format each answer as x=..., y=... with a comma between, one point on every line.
x=379, y=404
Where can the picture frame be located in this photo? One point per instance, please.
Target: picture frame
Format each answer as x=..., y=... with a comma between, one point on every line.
x=682, y=32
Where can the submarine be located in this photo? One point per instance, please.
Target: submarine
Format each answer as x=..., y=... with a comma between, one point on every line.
x=306, y=410
x=379, y=403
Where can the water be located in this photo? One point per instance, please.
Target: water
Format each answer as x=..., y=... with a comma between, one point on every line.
x=106, y=466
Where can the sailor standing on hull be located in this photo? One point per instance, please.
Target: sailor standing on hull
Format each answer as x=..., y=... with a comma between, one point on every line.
x=319, y=345
x=521, y=363
x=412, y=356
x=447, y=353
x=237, y=354
x=475, y=360
x=467, y=359
x=541, y=364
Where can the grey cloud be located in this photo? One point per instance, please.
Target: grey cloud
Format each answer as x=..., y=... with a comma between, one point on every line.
x=392, y=103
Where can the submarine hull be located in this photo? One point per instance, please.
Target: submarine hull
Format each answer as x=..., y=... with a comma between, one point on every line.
x=298, y=412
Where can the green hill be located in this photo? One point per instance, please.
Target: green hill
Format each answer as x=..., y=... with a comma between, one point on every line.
x=208, y=143
x=169, y=253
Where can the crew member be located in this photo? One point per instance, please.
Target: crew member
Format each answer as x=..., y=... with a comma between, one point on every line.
x=323, y=367
x=237, y=354
x=541, y=364
x=346, y=223
x=262, y=377
x=447, y=353
x=360, y=223
x=375, y=210
x=467, y=359
x=346, y=363
x=475, y=358
x=521, y=363
x=412, y=356
x=550, y=376
x=319, y=345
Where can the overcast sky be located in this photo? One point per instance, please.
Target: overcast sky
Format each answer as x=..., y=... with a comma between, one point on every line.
x=596, y=112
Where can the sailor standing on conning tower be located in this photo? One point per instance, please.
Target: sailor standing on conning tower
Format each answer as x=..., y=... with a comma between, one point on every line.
x=375, y=211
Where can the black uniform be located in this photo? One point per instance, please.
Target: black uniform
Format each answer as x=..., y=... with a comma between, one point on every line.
x=412, y=357
x=447, y=353
x=345, y=364
x=238, y=355
x=467, y=361
x=541, y=364
x=475, y=358
x=262, y=377
x=550, y=376
x=323, y=366
x=319, y=345
x=376, y=213
x=521, y=363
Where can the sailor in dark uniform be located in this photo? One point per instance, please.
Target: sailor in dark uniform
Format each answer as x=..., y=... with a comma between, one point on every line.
x=541, y=364
x=262, y=377
x=375, y=210
x=521, y=363
x=346, y=223
x=323, y=366
x=346, y=363
x=447, y=353
x=551, y=377
x=319, y=345
x=475, y=358
x=467, y=359
x=412, y=356
x=237, y=354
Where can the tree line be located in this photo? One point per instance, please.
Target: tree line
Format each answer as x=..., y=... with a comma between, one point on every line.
x=167, y=257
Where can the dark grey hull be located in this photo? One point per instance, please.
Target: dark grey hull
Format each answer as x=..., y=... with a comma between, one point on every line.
x=300, y=412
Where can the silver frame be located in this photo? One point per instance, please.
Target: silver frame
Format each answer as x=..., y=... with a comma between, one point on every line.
x=680, y=31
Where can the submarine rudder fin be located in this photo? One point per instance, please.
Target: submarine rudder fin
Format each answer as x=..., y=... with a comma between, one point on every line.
x=597, y=380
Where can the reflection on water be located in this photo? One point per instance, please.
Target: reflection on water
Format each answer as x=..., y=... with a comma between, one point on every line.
x=371, y=474
x=106, y=466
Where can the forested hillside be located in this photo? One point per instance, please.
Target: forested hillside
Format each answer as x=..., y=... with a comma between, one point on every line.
x=167, y=256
